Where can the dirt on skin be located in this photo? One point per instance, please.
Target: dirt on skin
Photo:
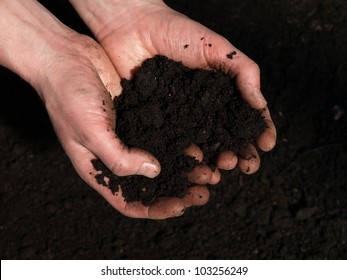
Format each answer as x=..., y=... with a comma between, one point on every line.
x=165, y=108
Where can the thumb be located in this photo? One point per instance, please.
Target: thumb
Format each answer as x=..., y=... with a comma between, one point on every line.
x=122, y=160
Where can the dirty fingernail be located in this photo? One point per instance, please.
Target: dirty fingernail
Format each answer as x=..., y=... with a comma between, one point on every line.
x=149, y=170
x=259, y=96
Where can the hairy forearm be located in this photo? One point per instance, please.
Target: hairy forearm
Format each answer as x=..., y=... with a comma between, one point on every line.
x=27, y=29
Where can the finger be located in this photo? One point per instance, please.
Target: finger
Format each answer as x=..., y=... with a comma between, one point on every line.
x=100, y=138
x=247, y=77
x=249, y=161
x=200, y=175
x=215, y=177
x=81, y=159
x=103, y=66
x=196, y=196
x=226, y=160
x=121, y=160
x=248, y=82
x=232, y=61
x=195, y=152
x=267, y=140
x=166, y=207
x=161, y=209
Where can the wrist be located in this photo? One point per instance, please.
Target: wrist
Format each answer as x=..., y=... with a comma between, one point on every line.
x=28, y=32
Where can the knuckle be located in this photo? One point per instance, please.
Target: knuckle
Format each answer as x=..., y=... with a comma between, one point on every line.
x=120, y=168
x=253, y=66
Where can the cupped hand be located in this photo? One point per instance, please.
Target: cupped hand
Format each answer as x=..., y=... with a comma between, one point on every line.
x=79, y=85
x=132, y=31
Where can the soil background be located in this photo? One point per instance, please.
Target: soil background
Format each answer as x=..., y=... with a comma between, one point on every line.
x=294, y=207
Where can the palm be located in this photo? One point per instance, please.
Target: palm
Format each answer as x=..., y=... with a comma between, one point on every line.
x=164, y=32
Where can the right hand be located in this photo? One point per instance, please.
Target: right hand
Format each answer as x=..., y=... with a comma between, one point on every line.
x=142, y=29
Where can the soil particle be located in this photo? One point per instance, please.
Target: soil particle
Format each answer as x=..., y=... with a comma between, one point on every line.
x=231, y=54
x=306, y=213
x=167, y=107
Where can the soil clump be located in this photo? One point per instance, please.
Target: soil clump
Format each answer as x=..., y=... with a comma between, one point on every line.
x=164, y=109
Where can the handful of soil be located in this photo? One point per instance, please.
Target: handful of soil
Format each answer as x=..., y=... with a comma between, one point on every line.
x=164, y=109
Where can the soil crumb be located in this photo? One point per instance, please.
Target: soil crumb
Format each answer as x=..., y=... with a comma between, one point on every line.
x=231, y=54
x=164, y=109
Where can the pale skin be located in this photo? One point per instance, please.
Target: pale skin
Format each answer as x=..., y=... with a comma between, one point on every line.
x=77, y=78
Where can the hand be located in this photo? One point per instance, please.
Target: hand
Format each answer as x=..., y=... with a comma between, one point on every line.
x=81, y=110
x=134, y=30
x=77, y=83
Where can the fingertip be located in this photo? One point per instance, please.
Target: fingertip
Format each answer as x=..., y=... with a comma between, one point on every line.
x=166, y=207
x=149, y=169
x=194, y=151
x=196, y=196
x=247, y=167
x=226, y=160
x=267, y=140
x=215, y=178
x=249, y=163
x=248, y=83
x=201, y=175
x=253, y=96
x=139, y=162
x=122, y=160
x=259, y=100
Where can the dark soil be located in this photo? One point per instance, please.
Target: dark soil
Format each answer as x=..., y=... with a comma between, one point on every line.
x=165, y=108
x=294, y=207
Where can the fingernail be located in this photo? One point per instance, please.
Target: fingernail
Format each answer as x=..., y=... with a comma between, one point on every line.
x=149, y=170
x=259, y=96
